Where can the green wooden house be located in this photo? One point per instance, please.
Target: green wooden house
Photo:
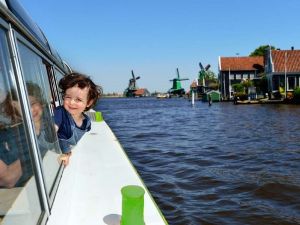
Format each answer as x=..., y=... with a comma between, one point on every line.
x=215, y=96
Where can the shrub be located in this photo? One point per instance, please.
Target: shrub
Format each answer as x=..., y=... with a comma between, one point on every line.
x=241, y=96
x=238, y=87
x=297, y=94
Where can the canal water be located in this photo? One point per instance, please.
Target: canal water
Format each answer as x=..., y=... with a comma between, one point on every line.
x=219, y=164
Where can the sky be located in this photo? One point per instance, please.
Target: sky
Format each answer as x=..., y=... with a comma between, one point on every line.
x=108, y=39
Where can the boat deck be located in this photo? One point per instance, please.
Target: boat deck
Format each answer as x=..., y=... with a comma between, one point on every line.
x=90, y=188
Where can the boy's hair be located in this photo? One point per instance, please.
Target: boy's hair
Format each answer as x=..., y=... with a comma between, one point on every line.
x=82, y=81
x=35, y=90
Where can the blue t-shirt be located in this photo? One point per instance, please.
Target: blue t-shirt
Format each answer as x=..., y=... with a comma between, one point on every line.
x=67, y=127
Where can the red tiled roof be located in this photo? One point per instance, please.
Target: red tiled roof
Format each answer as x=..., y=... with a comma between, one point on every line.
x=240, y=63
x=292, y=60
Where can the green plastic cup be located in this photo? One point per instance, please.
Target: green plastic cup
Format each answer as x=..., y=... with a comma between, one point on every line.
x=98, y=116
x=132, y=205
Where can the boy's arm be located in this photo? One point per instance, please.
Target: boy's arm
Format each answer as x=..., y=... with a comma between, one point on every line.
x=65, y=157
x=57, y=118
x=56, y=127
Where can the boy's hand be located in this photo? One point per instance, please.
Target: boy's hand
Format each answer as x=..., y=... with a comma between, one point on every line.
x=65, y=158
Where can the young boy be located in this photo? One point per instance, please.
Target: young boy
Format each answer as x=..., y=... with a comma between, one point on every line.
x=79, y=95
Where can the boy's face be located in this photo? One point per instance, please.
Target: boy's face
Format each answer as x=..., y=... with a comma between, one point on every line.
x=76, y=100
x=36, y=109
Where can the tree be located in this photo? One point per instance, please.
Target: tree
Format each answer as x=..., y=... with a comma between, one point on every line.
x=246, y=84
x=238, y=87
x=211, y=80
x=260, y=51
x=261, y=84
x=210, y=75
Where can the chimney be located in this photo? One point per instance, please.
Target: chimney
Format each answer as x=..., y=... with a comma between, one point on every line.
x=292, y=48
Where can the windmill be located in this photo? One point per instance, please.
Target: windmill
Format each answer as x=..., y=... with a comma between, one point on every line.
x=176, y=88
x=202, y=73
x=132, y=86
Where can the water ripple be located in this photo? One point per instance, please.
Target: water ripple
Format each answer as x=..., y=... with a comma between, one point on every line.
x=222, y=164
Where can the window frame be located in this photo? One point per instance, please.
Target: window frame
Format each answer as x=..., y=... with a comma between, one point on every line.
x=51, y=64
x=58, y=72
x=38, y=169
x=16, y=82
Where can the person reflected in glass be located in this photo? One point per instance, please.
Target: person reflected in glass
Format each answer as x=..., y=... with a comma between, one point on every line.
x=45, y=132
x=10, y=141
x=80, y=94
x=15, y=161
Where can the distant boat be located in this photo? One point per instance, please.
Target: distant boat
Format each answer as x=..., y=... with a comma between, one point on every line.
x=159, y=96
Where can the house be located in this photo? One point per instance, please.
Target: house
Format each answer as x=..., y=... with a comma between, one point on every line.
x=215, y=96
x=142, y=92
x=282, y=68
x=233, y=70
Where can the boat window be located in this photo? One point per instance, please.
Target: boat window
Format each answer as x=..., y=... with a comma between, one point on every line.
x=23, y=16
x=38, y=88
x=20, y=203
x=53, y=89
x=58, y=76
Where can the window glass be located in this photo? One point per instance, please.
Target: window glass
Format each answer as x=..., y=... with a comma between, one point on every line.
x=19, y=198
x=39, y=94
x=278, y=83
x=238, y=76
x=22, y=15
x=58, y=76
x=291, y=83
x=245, y=76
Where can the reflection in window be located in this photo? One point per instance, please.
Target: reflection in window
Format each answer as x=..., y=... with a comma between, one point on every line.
x=20, y=203
x=59, y=76
x=38, y=88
